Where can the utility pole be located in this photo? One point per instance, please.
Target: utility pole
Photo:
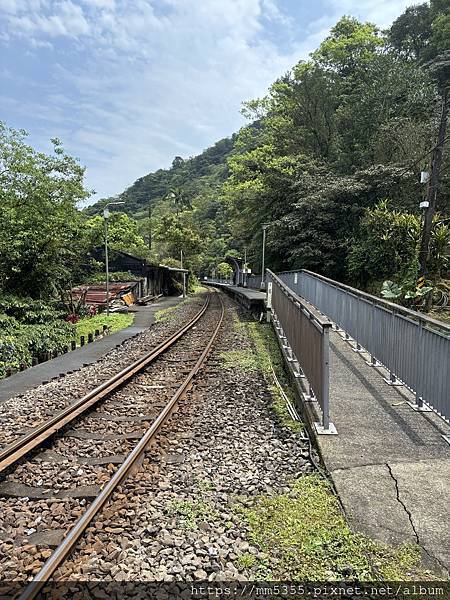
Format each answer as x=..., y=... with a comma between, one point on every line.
x=263, y=275
x=436, y=163
x=105, y=218
x=184, y=276
x=149, y=226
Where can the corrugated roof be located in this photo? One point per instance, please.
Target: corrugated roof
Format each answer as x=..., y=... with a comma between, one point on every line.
x=96, y=293
x=176, y=269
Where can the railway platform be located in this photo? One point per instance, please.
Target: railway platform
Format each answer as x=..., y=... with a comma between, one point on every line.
x=21, y=382
x=252, y=300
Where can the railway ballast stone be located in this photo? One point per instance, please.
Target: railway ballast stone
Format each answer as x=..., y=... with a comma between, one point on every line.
x=221, y=449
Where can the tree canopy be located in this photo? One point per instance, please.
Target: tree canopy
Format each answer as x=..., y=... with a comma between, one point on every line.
x=330, y=157
x=42, y=241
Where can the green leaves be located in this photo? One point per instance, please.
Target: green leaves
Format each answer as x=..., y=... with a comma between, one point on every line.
x=123, y=234
x=391, y=290
x=41, y=242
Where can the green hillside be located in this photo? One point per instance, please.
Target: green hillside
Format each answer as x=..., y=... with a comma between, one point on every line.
x=193, y=175
x=331, y=159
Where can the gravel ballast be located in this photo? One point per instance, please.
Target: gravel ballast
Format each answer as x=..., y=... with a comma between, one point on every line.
x=181, y=517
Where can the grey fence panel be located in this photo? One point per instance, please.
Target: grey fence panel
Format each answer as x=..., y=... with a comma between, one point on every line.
x=254, y=281
x=307, y=333
x=415, y=348
x=435, y=389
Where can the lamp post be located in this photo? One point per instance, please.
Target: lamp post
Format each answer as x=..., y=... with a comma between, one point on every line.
x=184, y=275
x=245, y=268
x=106, y=217
x=263, y=275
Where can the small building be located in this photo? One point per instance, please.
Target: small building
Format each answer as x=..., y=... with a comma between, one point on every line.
x=150, y=279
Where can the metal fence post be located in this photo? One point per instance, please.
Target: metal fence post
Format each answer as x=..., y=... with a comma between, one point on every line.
x=392, y=376
x=327, y=427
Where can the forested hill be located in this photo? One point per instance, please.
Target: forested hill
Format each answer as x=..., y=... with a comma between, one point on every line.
x=331, y=159
x=192, y=175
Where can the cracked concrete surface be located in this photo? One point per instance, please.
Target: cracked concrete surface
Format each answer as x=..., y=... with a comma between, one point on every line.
x=390, y=464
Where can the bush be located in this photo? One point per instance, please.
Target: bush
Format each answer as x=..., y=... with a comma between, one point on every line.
x=8, y=325
x=20, y=343
x=27, y=310
x=48, y=338
x=14, y=352
x=114, y=276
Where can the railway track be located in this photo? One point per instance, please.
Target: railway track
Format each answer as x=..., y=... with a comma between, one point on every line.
x=100, y=446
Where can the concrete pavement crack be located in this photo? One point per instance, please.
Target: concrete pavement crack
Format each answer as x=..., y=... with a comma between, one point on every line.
x=432, y=556
x=403, y=504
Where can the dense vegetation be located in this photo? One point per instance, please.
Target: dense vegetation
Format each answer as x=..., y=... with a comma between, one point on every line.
x=331, y=159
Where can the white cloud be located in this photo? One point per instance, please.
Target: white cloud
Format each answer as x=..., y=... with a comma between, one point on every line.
x=380, y=12
x=162, y=77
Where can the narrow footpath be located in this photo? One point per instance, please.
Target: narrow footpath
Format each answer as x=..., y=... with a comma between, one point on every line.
x=24, y=381
x=390, y=464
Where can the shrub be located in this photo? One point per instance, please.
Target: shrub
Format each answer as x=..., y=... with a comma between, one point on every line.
x=114, y=276
x=48, y=338
x=27, y=310
x=8, y=325
x=20, y=343
x=14, y=351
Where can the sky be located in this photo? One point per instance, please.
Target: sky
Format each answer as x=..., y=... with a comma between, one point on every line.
x=127, y=85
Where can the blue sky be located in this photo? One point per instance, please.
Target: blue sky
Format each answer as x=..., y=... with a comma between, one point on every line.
x=128, y=84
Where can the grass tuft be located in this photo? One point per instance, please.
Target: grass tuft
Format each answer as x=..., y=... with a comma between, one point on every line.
x=115, y=322
x=190, y=512
x=264, y=356
x=309, y=539
x=241, y=360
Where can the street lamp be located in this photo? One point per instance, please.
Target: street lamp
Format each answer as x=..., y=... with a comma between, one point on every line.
x=184, y=275
x=106, y=217
x=263, y=275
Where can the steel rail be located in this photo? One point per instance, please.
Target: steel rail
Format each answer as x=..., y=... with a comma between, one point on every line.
x=67, y=545
x=23, y=445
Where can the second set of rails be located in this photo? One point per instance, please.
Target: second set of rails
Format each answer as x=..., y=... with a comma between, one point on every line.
x=137, y=401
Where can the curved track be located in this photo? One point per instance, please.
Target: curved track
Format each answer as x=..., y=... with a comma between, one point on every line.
x=197, y=345
x=23, y=445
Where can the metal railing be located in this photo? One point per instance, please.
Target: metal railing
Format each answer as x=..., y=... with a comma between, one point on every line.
x=304, y=333
x=413, y=347
x=254, y=281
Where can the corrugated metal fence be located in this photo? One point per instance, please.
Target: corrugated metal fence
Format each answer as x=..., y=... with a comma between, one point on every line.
x=305, y=333
x=414, y=348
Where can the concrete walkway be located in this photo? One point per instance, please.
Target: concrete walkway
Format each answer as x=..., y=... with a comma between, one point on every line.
x=252, y=299
x=390, y=464
x=86, y=355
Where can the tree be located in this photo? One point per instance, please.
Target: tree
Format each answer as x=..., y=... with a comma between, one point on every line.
x=422, y=32
x=42, y=240
x=410, y=33
x=350, y=46
x=176, y=233
x=123, y=234
x=224, y=270
x=442, y=67
x=179, y=199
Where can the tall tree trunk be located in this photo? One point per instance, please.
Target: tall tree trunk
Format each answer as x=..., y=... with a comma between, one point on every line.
x=436, y=162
